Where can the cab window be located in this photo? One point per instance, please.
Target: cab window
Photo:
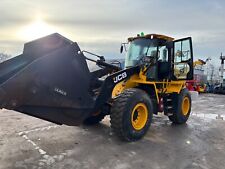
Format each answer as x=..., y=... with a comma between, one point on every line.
x=182, y=57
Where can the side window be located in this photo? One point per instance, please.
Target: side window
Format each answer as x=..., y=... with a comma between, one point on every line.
x=182, y=57
x=163, y=54
x=186, y=49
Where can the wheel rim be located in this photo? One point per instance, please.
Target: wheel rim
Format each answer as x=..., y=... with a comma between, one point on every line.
x=139, y=116
x=185, y=106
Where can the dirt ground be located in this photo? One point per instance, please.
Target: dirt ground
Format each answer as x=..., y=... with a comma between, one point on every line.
x=30, y=143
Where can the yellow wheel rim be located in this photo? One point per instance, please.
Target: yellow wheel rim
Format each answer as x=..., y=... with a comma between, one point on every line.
x=139, y=116
x=185, y=106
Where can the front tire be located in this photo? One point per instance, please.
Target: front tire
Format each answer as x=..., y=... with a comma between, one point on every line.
x=182, y=107
x=131, y=114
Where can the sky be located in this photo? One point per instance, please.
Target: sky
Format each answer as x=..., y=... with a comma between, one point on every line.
x=101, y=25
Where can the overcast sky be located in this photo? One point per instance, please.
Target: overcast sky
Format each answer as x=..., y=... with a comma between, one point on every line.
x=101, y=25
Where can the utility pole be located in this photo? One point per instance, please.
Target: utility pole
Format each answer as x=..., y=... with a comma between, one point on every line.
x=222, y=69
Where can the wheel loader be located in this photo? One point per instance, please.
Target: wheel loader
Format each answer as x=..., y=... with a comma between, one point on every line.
x=54, y=80
x=197, y=83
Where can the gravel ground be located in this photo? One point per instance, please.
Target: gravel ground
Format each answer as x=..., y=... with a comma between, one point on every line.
x=30, y=143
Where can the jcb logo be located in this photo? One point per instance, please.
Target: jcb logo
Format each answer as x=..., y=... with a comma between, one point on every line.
x=120, y=77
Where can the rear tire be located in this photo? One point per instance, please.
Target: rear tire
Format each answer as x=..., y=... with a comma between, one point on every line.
x=131, y=114
x=182, y=107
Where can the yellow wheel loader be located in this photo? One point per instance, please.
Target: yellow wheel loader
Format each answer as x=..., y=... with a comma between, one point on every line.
x=54, y=80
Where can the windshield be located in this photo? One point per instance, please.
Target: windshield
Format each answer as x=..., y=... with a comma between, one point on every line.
x=139, y=48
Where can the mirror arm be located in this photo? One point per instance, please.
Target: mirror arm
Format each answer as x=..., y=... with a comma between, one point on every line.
x=124, y=45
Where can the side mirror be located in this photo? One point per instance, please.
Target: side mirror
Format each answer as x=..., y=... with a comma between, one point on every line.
x=121, y=48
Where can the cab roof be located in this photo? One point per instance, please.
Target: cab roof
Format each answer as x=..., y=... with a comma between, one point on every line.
x=151, y=36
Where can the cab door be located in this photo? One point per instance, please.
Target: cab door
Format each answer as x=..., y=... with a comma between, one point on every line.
x=182, y=60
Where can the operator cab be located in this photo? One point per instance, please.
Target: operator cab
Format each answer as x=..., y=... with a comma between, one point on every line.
x=167, y=59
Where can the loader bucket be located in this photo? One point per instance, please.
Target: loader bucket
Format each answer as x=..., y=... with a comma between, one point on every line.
x=49, y=80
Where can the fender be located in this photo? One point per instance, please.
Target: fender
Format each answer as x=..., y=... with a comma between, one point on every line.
x=110, y=82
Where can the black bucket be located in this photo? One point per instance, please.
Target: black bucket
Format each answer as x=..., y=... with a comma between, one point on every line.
x=50, y=80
